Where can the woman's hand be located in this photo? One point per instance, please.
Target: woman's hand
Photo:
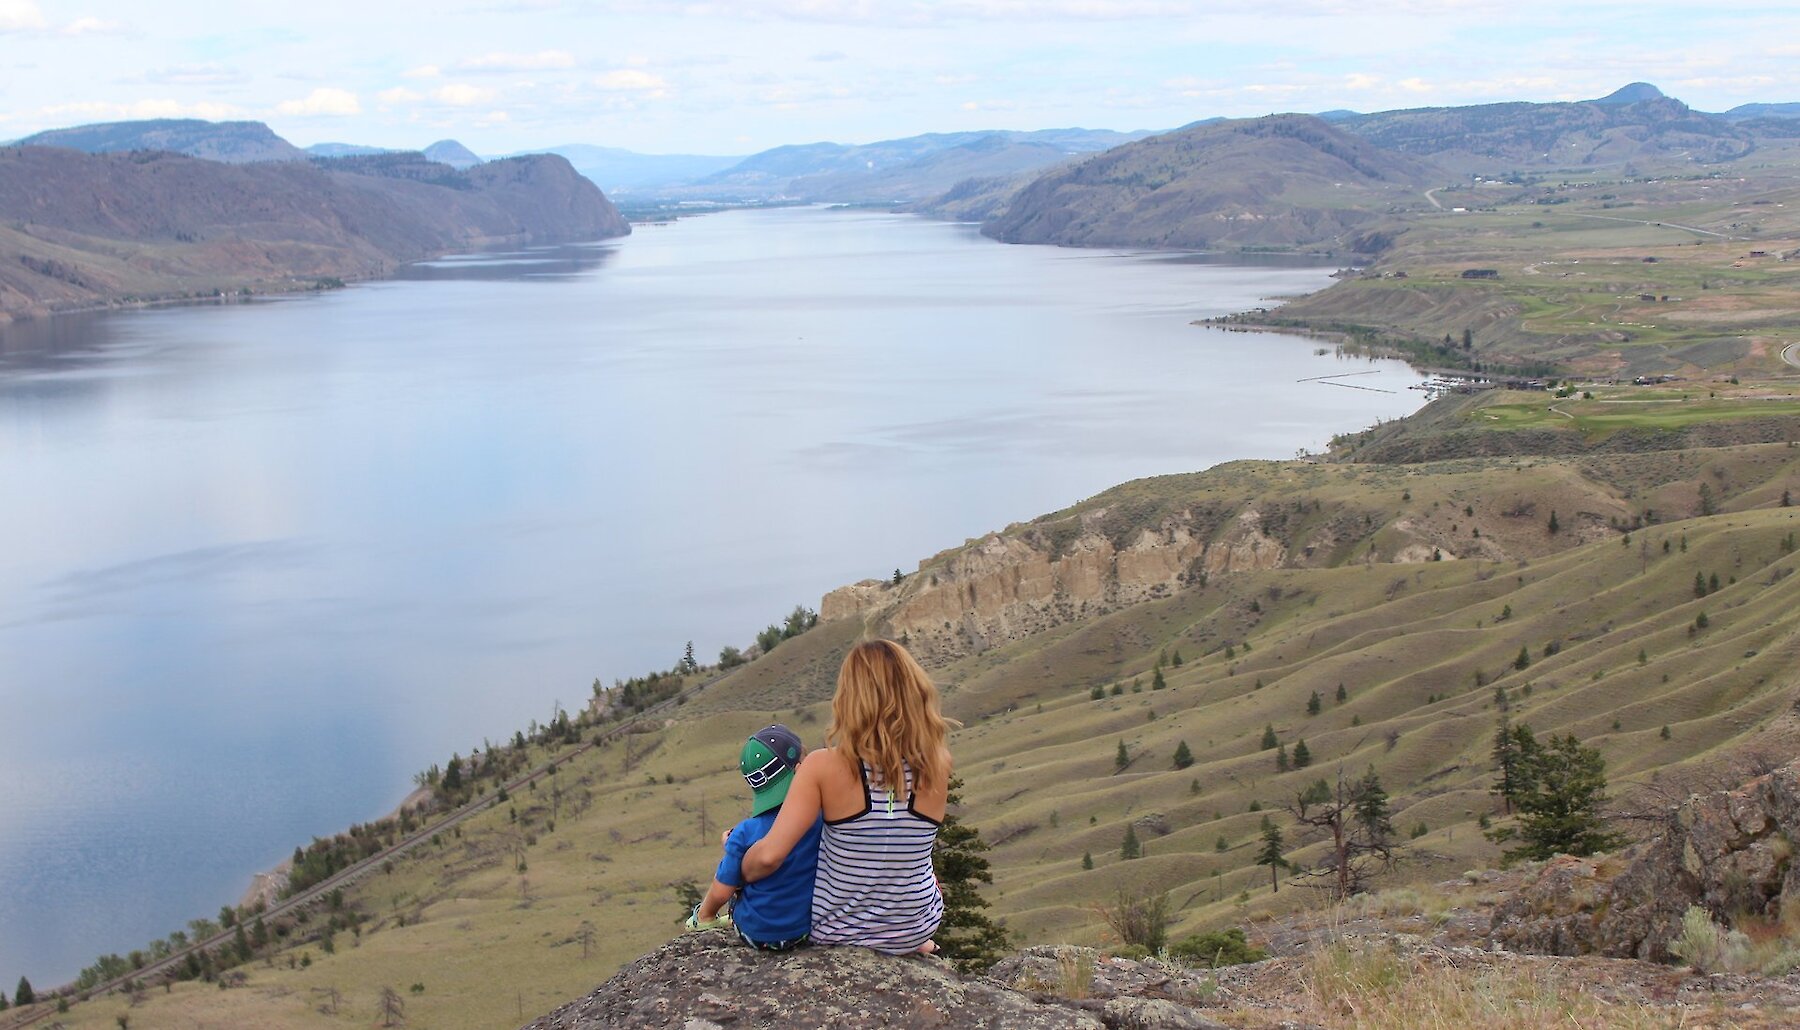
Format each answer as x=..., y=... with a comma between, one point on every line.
x=798, y=813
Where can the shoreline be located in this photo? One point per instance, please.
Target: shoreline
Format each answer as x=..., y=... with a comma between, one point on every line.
x=266, y=887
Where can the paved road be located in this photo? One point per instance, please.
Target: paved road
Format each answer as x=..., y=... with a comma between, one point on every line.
x=1663, y=225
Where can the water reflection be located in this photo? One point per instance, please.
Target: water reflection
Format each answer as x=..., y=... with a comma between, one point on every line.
x=560, y=261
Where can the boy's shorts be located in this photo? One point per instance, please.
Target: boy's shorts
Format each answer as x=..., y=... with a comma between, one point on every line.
x=788, y=945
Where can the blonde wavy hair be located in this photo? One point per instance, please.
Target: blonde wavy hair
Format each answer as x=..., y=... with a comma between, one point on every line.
x=886, y=713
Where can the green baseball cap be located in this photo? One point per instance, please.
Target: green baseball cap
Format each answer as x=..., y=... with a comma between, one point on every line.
x=768, y=761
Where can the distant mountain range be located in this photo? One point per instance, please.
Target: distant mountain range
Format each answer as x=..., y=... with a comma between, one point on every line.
x=893, y=171
x=1334, y=181
x=623, y=171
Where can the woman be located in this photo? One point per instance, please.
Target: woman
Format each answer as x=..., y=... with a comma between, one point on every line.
x=882, y=785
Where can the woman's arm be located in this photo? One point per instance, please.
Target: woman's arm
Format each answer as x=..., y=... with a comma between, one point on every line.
x=798, y=813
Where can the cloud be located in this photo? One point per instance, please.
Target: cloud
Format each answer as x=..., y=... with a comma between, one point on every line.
x=92, y=27
x=505, y=62
x=208, y=74
x=322, y=102
x=423, y=71
x=20, y=16
x=458, y=94
x=398, y=95
x=632, y=80
x=100, y=110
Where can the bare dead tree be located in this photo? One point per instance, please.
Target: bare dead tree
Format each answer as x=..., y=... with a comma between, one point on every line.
x=392, y=1009
x=1353, y=817
x=585, y=934
x=333, y=998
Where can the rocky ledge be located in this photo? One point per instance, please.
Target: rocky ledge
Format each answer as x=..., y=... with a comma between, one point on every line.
x=710, y=981
x=1729, y=852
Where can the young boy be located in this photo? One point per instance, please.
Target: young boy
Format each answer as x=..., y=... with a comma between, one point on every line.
x=774, y=913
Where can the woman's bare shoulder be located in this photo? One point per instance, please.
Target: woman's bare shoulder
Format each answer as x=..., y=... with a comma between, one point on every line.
x=825, y=763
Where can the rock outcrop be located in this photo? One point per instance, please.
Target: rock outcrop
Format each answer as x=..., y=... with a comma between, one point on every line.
x=1729, y=852
x=1030, y=578
x=706, y=981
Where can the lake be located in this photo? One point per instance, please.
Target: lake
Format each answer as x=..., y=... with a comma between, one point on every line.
x=266, y=561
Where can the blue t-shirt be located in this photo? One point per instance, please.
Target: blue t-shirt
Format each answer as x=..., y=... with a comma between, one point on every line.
x=779, y=906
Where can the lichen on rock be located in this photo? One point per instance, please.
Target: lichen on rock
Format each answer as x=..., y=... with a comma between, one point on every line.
x=704, y=981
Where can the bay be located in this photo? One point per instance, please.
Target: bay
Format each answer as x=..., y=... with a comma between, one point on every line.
x=265, y=561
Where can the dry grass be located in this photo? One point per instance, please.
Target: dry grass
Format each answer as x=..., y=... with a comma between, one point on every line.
x=1374, y=987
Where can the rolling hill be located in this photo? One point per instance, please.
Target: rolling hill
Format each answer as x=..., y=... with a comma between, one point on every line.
x=1286, y=181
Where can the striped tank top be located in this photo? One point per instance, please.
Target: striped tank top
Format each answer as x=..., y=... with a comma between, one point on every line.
x=875, y=887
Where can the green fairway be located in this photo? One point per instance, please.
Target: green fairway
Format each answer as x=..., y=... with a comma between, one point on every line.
x=1614, y=408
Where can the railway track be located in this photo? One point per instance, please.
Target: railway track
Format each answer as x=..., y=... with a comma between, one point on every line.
x=16, y=1019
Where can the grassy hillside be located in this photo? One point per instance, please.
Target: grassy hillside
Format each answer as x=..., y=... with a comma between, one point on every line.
x=485, y=927
x=1281, y=181
x=1496, y=138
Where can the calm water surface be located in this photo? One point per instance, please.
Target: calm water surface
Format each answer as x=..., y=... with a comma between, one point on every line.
x=264, y=562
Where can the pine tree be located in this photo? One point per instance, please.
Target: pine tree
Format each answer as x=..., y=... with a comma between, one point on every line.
x=967, y=937
x=1302, y=755
x=1523, y=661
x=1787, y=499
x=1270, y=855
x=1562, y=806
x=688, y=664
x=1712, y=583
x=898, y=577
x=1281, y=758
x=3, y=1005
x=1130, y=848
x=1087, y=860
x=1268, y=737
x=1342, y=694
x=1183, y=756
x=1314, y=703
x=1122, y=759
x=24, y=995
x=1157, y=682
x=1555, y=526
x=1699, y=585
x=1176, y=660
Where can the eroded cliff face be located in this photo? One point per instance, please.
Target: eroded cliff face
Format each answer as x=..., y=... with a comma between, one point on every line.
x=1030, y=578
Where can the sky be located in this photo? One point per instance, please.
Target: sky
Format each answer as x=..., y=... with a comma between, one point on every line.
x=738, y=76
